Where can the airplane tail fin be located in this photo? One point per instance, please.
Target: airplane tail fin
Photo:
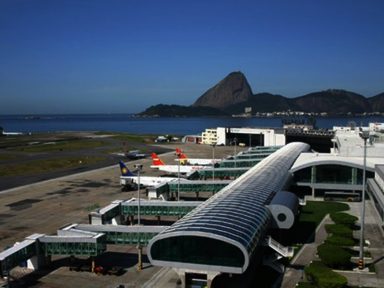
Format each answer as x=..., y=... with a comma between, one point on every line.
x=180, y=154
x=156, y=161
x=124, y=169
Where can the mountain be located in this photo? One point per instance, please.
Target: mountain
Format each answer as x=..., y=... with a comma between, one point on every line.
x=162, y=110
x=377, y=102
x=233, y=94
x=233, y=89
x=262, y=102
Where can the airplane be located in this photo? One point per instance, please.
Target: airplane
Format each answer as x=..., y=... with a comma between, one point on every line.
x=11, y=133
x=157, y=163
x=132, y=155
x=129, y=180
x=194, y=161
x=135, y=154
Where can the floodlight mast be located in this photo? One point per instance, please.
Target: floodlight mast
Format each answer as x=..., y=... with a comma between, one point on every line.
x=365, y=136
x=139, y=247
x=178, y=154
x=213, y=161
x=138, y=168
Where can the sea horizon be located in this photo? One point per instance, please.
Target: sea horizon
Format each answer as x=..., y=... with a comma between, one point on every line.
x=128, y=122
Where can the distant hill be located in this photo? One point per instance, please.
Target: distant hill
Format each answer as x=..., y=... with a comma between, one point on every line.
x=232, y=94
x=162, y=110
x=377, y=102
x=333, y=102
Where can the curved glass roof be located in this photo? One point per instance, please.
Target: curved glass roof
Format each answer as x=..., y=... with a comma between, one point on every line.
x=236, y=216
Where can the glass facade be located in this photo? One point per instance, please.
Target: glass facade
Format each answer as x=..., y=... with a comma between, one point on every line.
x=331, y=174
x=200, y=250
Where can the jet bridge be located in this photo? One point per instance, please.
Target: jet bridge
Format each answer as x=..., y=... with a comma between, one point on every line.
x=158, y=207
x=217, y=173
x=196, y=186
x=121, y=234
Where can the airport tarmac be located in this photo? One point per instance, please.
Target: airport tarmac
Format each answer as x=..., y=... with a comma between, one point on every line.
x=46, y=206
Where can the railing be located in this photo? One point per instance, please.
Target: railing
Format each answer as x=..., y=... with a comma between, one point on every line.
x=282, y=250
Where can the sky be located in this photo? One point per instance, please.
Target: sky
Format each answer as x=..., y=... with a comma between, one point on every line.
x=112, y=56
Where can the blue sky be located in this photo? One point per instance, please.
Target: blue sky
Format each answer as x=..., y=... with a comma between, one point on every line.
x=110, y=56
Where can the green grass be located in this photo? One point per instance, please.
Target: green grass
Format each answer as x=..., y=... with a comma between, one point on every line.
x=4, y=157
x=322, y=276
x=72, y=145
x=134, y=137
x=310, y=217
x=344, y=218
x=40, y=166
x=92, y=207
x=339, y=229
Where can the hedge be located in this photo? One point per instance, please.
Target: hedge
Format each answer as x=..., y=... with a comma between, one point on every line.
x=339, y=229
x=324, y=277
x=343, y=218
x=334, y=256
x=340, y=241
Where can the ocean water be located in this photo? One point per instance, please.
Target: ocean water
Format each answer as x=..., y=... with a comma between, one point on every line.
x=156, y=126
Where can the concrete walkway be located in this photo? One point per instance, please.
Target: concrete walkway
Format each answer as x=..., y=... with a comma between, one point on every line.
x=373, y=232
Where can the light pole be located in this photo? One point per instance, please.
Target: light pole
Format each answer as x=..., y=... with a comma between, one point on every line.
x=364, y=135
x=178, y=154
x=139, y=247
x=235, y=140
x=213, y=161
x=138, y=167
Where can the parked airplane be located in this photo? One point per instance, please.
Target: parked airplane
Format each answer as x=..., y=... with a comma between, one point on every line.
x=174, y=169
x=194, y=161
x=132, y=155
x=135, y=154
x=128, y=180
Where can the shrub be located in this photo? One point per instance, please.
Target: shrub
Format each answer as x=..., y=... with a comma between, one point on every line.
x=334, y=256
x=324, y=277
x=339, y=229
x=338, y=240
x=344, y=218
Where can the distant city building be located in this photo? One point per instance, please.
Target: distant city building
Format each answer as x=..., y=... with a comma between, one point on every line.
x=209, y=137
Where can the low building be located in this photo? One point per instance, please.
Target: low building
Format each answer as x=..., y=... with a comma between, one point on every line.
x=244, y=136
x=341, y=169
x=197, y=139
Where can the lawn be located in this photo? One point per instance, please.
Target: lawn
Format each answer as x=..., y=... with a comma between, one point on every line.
x=310, y=217
x=71, y=145
x=41, y=166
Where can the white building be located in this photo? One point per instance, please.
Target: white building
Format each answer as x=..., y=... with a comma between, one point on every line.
x=244, y=136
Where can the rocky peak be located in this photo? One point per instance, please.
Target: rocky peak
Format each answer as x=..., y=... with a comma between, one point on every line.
x=233, y=89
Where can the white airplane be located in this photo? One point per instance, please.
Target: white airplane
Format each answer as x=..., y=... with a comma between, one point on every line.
x=157, y=163
x=11, y=133
x=128, y=179
x=183, y=158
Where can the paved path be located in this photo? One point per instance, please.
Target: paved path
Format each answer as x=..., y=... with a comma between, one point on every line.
x=373, y=232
